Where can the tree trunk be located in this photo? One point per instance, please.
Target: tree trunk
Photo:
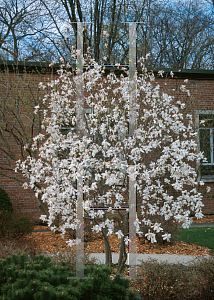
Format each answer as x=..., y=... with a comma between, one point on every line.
x=122, y=259
x=42, y=205
x=108, y=254
x=123, y=254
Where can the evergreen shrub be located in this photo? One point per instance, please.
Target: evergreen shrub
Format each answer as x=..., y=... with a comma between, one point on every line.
x=5, y=203
x=21, y=278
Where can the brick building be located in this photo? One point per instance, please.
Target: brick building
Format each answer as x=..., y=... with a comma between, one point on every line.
x=19, y=95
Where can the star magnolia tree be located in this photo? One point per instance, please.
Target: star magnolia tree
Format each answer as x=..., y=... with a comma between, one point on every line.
x=162, y=149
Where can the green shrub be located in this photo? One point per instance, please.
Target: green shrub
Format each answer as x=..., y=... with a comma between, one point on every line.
x=13, y=226
x=5, y=203
x=21, y=278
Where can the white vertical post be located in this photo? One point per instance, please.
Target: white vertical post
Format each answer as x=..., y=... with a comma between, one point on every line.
x=79, y=232
x=132, y=128
x=79, y=79
x=80, y=130
x=79, y=114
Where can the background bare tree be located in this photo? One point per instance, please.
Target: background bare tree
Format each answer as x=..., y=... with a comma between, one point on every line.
x=18, y=123
x=177, y=34
x=183, y=36
x=20, y=23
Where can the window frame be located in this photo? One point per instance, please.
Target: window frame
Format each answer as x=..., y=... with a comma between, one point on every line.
x=205, y=178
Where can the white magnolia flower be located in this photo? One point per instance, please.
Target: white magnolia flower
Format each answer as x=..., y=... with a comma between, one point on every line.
x=94, y=186
x=166, y=237
x=157, y=227
x=208, y=189
x=43, y=218
x=52, y=64
x=151, y=237
x=201, y=182
x=105, y=34
x=72, y=243
x=96, y=228
x=160, y=73
x=25, y=185
x=36, y=108
x=147, y=56
x=119, y=234
x=127, y=240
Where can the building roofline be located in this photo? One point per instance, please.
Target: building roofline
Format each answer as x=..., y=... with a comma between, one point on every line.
x=44, y=67
x=29, y=67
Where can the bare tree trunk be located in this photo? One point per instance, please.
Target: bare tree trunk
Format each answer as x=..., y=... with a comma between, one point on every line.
x=123, y=254
x=108, y=254
x=96, y=27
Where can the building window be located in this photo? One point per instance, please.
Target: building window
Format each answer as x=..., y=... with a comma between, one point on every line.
x=206, y=131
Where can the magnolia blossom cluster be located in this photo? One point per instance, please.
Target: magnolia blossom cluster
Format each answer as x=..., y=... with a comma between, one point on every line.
x=162, y=150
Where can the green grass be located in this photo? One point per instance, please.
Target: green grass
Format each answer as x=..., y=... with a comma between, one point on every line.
x=199, y=236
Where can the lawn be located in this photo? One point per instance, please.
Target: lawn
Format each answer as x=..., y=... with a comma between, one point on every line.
x=199, y=236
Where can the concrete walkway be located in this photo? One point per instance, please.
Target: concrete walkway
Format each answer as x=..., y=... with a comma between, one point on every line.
x=202, y=225
x=169, y=258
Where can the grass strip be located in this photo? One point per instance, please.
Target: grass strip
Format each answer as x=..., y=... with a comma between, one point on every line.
x=201, y=236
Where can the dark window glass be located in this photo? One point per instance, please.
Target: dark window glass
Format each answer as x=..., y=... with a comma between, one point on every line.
x=205, y=143
x=207, y=170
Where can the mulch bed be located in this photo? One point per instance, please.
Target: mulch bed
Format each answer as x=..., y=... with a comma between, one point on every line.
x=50, y=242
x=205, y=219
